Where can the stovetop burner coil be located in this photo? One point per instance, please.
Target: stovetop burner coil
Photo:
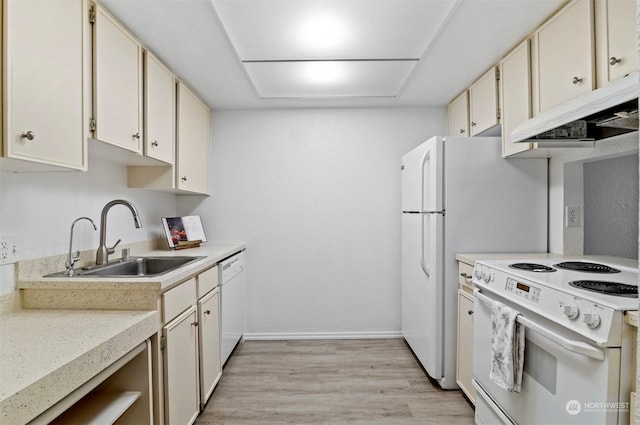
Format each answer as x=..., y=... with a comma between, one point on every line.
x=609, y=288
x=532, y=267
x=583, y=266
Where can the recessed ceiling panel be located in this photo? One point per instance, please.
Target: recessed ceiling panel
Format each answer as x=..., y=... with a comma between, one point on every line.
x=325, y=79
x=331, y=29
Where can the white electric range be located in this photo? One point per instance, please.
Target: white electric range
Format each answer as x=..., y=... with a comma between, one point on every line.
x=578, y=366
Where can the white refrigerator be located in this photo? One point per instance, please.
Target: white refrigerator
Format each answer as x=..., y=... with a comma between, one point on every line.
x=459, y=195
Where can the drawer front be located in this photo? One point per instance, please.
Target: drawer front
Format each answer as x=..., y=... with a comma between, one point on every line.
x=207, y=280
x=465, y=273
x=178, y=299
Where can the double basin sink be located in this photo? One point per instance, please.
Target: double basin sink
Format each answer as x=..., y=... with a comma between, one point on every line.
x=132, y=267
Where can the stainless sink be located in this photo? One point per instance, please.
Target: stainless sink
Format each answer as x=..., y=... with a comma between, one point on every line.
x=134, y=267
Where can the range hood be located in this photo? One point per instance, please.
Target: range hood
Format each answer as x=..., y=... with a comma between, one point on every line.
x=606, y=112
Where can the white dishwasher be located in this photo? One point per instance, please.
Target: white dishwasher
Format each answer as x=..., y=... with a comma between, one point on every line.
x=232, y=283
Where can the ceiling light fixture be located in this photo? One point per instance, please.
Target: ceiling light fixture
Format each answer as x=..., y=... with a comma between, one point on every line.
x=321, y=31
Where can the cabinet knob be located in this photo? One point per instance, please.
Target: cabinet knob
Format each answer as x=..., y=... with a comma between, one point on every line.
x=207, y=312
x=154, y=143
x=576, y=80
x=136, y=136
x=614, y=60
x=461, y=131
x=473, y=124
x=470, y=312
x=184, y=178
x=195, y=324
x=29, y=135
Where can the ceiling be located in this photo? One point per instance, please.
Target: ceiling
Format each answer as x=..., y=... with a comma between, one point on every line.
x=411, y=53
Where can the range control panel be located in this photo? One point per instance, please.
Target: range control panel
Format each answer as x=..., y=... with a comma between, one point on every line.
x=523, y=290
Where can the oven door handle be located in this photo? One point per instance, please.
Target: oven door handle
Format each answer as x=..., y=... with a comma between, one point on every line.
x=569, y=344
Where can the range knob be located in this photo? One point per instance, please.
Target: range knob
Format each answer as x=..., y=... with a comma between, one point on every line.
x=486, y=276
x=571, y=311
x=477, y=273
x=591, y=319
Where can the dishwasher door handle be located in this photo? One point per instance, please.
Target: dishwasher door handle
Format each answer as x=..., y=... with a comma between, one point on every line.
x=569, y=344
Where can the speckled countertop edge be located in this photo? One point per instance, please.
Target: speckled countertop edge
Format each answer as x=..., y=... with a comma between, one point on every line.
x=30, y=274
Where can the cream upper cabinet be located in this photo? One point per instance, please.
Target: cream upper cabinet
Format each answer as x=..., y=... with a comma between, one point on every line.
x=458, y=112
x=515, y=94
x=616, y=39
x=483, y=103
x=46, y=85
x=192, y=171
x=160, y=110
x=564, y=55
x=117, y=83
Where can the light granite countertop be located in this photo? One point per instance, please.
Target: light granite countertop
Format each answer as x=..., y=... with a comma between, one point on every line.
x=80, y=327
x=47, y=354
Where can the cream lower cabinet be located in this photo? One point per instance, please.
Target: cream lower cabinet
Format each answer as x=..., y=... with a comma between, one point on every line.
x=190, y=346
x=464, y=366
x=46, y=75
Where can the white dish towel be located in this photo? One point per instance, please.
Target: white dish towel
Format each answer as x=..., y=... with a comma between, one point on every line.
x=507, y=348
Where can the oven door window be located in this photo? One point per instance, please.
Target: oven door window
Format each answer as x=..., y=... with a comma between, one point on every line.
x=553, y=378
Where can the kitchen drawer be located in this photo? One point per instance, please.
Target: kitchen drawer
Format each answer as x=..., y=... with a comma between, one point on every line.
x=207, y=280
x=178, y=299
x=465, y=269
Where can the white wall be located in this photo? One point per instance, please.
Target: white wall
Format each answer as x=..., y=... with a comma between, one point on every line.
x=315, y=195
x=37, y=209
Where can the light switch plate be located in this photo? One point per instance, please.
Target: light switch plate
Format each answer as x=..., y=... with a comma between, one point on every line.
x=572, y=217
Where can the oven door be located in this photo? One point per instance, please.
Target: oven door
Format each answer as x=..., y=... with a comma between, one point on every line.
x=566, y=379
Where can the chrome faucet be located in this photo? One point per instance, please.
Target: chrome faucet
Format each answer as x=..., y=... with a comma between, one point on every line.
x=71, y=259
x=102, y=255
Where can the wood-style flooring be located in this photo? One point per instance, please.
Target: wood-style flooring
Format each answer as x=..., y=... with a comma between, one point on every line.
x=364, y=382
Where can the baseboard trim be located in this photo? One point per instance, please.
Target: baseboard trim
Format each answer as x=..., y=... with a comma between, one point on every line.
x=279, y=336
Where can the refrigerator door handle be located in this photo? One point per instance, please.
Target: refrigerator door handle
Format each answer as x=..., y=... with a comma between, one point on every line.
x=425, y=267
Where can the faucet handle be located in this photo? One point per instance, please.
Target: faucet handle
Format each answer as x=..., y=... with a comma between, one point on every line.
x=113, y=248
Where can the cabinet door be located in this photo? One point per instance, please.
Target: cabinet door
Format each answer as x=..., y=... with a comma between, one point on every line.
x=483, y=103
x=117, y=84
x=464, y=372
x=193, y=143
x=459, y=116
x=160, y=115
x=515, y=79
x=566, y=55
x=622, y=46
x=181, y=389
x=209, y=333
x=47, y=81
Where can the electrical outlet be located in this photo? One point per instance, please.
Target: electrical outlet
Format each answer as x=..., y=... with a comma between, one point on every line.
x=7, y=252
x=572, y=217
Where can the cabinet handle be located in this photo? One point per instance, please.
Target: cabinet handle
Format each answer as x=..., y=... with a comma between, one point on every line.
x=29, y=135
x=473, y=124
x=154, y=144
x=470, y=312
x=466, y=276
x=195, y=324
x=207, y=312
x=614, y=60
x=136, y=136
x=184, y=178
x=576, y=80
x=461, y=131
